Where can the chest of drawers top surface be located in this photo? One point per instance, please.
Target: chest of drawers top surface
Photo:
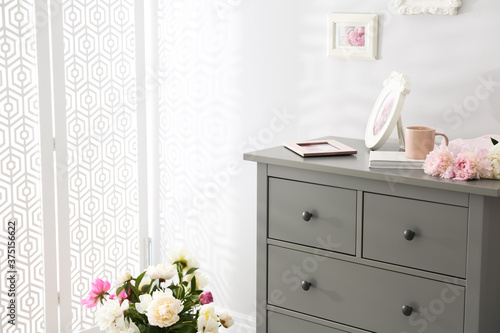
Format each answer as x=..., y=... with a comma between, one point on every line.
x=357, y=166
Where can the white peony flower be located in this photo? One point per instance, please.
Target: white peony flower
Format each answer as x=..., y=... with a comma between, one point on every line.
x=161, y=272
x=107, y=314
x=207, y=320
x=184, y=256
x=201, y=280
x=123, y=325
x=144, y=282
x=144, y=301
x=226, y=320
x=494, y=157
x=122, y=279
x=164, y=309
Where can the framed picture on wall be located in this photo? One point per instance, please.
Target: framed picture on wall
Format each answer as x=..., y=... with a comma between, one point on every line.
x=442, y=7
x=352, y=36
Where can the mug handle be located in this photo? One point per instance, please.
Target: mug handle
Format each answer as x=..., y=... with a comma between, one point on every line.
x=445, y=138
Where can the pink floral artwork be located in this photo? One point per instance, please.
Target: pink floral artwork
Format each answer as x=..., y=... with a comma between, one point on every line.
x=383, y=115
x=355, y=36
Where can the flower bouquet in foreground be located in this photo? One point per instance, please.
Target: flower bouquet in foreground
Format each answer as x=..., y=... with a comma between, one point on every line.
x=164, y=298
x=462, y=161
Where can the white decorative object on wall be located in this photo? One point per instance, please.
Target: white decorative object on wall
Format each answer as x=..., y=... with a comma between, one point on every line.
x=352, y=36
x=441, y=7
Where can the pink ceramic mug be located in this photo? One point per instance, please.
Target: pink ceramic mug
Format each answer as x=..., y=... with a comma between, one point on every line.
x=419, y=141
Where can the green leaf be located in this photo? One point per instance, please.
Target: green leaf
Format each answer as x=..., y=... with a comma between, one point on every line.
x=192, y=270
x=495, y=142
x=127, y=288
x=193, y=283
x=139, y=279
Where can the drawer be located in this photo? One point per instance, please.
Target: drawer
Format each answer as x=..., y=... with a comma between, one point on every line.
x=439, y=242
x=278, y=323
x=332, y=225
x=364, y=297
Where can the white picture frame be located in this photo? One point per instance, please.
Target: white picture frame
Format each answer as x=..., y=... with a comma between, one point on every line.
x=386, y=112
x=440, y=7
x=352, y=36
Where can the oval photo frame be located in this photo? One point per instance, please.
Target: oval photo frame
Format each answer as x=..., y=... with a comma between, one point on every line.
x=387, y=110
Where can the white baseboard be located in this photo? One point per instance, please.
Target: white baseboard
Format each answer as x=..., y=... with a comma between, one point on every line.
x=242, y=323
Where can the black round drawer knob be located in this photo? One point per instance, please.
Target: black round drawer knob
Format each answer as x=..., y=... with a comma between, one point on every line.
x=306, y=216
x=407, y=310
x=306, y=285
x=409, y=234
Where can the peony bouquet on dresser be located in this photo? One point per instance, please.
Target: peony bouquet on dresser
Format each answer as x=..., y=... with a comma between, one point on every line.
x=164, y=298
x=465, y=159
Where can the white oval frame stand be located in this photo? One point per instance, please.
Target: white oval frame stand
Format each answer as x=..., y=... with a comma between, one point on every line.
x=398, y=85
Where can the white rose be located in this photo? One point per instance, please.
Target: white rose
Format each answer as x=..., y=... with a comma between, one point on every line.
x=207, y=320
x=107, y=314
x=164, y=309
x=122, y=279
x=226, y=320
x=144, y=301
x=161, y=272
x=184, y=256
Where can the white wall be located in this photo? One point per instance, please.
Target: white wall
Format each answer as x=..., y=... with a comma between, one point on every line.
x=265, y=79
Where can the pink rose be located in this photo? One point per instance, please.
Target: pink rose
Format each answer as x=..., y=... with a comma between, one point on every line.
x=206, y=297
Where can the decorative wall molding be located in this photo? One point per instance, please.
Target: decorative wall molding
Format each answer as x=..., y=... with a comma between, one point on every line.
x=440, y=7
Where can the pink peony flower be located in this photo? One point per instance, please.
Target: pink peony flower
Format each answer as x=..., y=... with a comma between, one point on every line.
x=356, y=37
x=121, y=296
x=206, y=297
x=471, y=165
x=439, y=162
x=99, y=289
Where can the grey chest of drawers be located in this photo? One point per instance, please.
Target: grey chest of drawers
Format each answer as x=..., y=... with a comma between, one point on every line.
x=342, y=248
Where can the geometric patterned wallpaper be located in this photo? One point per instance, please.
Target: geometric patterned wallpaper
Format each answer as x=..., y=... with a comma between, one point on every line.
x=20, y=171
x=100, y=90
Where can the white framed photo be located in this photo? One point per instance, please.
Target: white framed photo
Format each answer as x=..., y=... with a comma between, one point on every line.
x=440, y=7
x=352, y=36
x=386, y=112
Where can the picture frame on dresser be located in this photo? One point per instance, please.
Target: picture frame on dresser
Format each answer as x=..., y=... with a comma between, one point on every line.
x=440, y=7
x=352, y=36
x=386, y=112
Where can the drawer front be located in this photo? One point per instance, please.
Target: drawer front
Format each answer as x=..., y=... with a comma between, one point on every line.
x=360, y=296
x=332, y=224
x=439, y=242
x=278, y=323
